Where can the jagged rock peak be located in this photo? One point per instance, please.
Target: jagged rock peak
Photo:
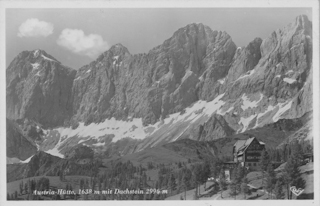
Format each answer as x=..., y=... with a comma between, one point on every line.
x=245, y=59
x=253, y=45
x=199, y=28
x=303, y=20
x=37, y=74
x=37, y=54
x=252, y=48
x=192, y=26
x=115, y=50
x=301, y=23
x=119, y=49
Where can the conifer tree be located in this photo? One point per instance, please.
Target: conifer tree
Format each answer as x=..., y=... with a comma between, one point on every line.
x=240, y=174
x=61, y=175
x=186, y=181
x=264, y=162
x=271, y=179
x=236, y=177
x=297, y=152
x=292, y=176
x=244, y=187
x=26, y=188
x=195, y=196
x=172, y=183
x=278, y=190
x=214, y=168
x=233, y=189
x=222, y=182
x=198, y=176
x=21, y=187
x=233, y=175
x=205, y=173
x=81, y=184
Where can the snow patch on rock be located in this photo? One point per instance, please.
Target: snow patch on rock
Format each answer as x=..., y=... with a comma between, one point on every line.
x=27, y=160
x=290, y=71
x=260, y=115
x=221, y=81
x=36, y=53
x=12, y=160
x=187, y=74
x=77, y=78
x=46, y=58
x=283, y=107
x=55, y=152
x=38, y=73
x=35, y=65
x=98, y=144
x=245, y=122
x=220, y=112
x=83, y=140
x=248, y=73
x=115, y=59
x=249, y=104
x=289, y=80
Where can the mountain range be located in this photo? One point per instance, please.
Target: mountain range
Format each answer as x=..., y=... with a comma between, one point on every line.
x=197, y=85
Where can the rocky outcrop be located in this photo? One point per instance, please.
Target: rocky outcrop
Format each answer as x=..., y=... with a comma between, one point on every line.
x=245, y=60
x=39, y=88
x=216, y=127
x=304, y=132
x=41, y=163
x=17, y=144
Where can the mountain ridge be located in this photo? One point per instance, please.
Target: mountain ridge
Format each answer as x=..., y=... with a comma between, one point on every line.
x=168, y=93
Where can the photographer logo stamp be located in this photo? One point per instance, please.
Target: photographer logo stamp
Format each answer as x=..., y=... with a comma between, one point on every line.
x=296, y=191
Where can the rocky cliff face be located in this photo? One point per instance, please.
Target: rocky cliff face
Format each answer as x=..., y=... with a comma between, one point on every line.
x=216, y=127
x=39, y=88
x=280, y=78
x=286, y=56
x=196, y=85
x=184, y=69
x=18, y=145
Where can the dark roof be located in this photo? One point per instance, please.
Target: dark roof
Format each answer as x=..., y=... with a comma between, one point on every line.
x=239, y=144
x=242, y=145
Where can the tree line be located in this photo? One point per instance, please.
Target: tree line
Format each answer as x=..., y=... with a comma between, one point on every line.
x=278, y=184
x=27, y=188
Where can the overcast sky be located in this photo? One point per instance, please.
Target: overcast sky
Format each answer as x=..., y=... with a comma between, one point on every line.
x=77, y=36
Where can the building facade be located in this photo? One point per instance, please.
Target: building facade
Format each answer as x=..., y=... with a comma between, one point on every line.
x=248, y=152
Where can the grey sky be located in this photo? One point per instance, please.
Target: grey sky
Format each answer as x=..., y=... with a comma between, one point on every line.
x=137, y=29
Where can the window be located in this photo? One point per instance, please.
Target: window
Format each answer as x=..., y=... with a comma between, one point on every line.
x=254, y=164
x=249, y=164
